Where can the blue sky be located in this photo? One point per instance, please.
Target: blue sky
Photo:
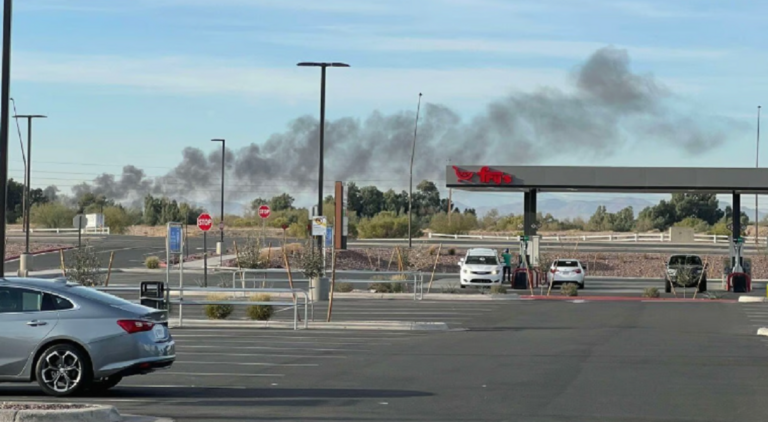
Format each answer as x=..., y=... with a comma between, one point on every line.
x=135, y=81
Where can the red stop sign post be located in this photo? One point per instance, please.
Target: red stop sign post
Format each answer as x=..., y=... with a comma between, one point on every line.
x=204, y=223
x=264, y=211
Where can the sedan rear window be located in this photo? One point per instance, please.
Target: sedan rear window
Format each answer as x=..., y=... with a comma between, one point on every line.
x=96, y=295
x=481, y=260
x=567, y=264
x=685, y=260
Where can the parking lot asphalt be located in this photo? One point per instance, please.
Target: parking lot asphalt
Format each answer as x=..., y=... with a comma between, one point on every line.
x=538, y=361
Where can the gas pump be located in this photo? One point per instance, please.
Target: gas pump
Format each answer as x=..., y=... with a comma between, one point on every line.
x=738, y=278
x=529, y=259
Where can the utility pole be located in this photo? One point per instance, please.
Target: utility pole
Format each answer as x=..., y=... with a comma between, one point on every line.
x=410, y=185
x=5, y=87
x=25, y=260
x=450, y=205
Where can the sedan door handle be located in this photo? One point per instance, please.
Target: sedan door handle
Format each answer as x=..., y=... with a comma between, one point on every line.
x=36, y=323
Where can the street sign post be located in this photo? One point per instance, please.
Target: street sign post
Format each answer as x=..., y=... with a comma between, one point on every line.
x=78, y=222
x=319, y=225
x=204, y=223
x=264, y=213
x=174, y=245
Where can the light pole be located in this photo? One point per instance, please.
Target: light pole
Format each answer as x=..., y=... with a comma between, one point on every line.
x=220, y=246
x=757, y=164
x=322, y=66
x=410, y=185
x=5, y=87
x=25, y=259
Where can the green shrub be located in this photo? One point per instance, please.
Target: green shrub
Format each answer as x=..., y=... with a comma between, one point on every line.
x=84, y=267
x=343, y=287
x=260, y=312
x=218, y=311
x=381, y=287
x=651, y=292
x=499, y=290
x=51, y=215
x=459, y=223
x=433, y=249
x=386, y=224
x=569, y=289
x=152, y=262
x=452, y=251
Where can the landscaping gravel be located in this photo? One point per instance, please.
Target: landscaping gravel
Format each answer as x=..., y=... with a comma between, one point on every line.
x=15, y=249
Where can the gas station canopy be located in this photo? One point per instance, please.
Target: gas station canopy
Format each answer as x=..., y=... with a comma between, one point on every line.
x=608, y=179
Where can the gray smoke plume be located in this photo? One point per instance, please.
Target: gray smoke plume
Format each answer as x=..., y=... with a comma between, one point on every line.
x=608, y=107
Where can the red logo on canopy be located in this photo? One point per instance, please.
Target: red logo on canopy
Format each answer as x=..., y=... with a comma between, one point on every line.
x=486, y=175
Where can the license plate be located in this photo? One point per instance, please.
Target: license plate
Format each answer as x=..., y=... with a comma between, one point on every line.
x=160, y=332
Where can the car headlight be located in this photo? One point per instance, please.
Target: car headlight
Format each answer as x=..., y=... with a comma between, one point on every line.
x=464, y=270
x=495, y=272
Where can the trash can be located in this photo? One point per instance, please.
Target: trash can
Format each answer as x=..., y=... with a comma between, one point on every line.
x=319, y=289
x=153, y=294
x=520, y=279
x=739, y=282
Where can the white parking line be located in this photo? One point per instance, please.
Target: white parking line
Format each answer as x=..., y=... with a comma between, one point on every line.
x=216, y=374
x=182, y=343
x=274, y=348
x=228, y=387
x=290, y=337
x=245, y=363
x=263, y=355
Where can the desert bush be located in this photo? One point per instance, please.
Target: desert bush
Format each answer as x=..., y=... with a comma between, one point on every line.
x=260, y=312
x=381, y=287
x=84, y=267
x=218, y=311
x=297, y=230
x=51, y=215
x=569, y=289
x=651, y=292
x=343, y=287
x=451, y=251
x=499, y=290
x=250, y=255
x=386, y=224
x=152, y=262
x=433, y=249
x=459, y=223
x=312, y=262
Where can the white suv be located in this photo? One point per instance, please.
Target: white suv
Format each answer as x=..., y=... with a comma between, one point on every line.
x=480, y=267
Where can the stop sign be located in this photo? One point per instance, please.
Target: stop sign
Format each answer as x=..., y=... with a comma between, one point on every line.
x=264, y=211
x=204, y=222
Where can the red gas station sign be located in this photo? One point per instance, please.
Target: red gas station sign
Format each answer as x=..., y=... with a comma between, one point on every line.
x=485, y=175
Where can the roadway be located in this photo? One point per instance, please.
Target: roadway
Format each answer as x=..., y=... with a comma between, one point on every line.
x=131, y=251
x=538, y=361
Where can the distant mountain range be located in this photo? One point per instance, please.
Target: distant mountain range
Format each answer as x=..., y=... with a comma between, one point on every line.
x=562, y=208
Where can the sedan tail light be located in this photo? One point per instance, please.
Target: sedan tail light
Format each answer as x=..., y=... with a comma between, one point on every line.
x=553, y=270
x=577, y=271
x=132, y=326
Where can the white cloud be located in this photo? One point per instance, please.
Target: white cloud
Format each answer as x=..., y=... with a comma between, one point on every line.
x=210, y=76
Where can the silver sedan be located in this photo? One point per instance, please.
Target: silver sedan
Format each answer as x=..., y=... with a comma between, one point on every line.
x=71, y=338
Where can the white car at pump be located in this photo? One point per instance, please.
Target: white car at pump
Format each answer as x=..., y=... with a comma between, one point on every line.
x=480, y=267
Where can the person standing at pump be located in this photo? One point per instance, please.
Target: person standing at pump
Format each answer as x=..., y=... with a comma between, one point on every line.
x=507, y=272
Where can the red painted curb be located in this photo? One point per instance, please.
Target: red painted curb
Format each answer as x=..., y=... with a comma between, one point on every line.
x=625, y=299
x=44, y=251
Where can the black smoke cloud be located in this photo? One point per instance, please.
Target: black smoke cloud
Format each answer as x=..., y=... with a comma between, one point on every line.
x=608, y=107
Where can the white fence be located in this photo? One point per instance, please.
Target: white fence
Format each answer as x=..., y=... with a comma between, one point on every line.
x=617, y=237
x=86, y=230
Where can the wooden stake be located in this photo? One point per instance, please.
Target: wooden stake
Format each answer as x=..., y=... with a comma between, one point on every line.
x=434, y=267
x=63, y=267
x=391, y=257
x=109, y=270
x=333, y=283
x=399, y=259
x=704, y=271
x=237, y=255
x=369, y=260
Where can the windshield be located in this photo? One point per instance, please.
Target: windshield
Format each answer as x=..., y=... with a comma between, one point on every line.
x=481, y=260
x=567, y=264
x=93, y=294
x=685, y=260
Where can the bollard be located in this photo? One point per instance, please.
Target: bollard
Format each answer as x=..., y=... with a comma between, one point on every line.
x=319, y=288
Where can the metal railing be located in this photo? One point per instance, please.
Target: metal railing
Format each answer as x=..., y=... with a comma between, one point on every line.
x=411, y=277
x=86, y=230
x=617, y=237
x=294, y=303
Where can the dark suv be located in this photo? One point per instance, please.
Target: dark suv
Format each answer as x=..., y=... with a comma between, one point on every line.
x=685, y=271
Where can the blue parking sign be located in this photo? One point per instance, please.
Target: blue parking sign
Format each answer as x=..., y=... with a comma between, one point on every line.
x=328, y=237
x=174, y=238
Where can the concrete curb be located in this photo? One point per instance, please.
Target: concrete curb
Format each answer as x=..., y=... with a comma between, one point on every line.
x=752, y=299
x=42, y=252
x=762, y=331
x=350, y=325
x=95, y=413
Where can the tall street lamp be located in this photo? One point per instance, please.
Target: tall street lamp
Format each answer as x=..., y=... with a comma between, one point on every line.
x=757, y=164
x=410, y=192
x=322, y=66
x=220, y=246
x=5, y=87
x=25, y=260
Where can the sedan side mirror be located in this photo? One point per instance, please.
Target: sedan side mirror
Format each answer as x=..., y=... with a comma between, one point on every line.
x=461, y=262
x=584, y=266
